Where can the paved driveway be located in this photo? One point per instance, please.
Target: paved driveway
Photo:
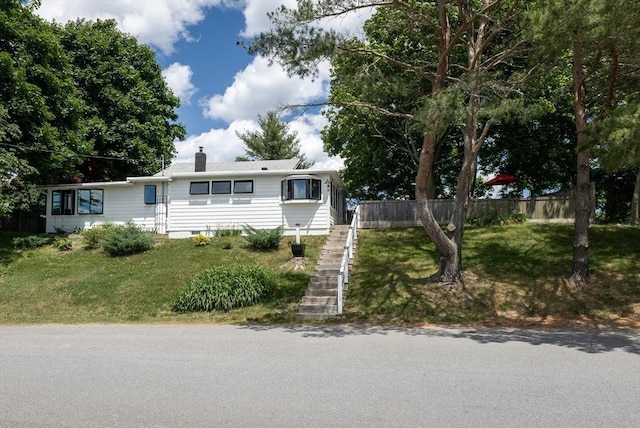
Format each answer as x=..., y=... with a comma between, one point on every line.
x=303, y=376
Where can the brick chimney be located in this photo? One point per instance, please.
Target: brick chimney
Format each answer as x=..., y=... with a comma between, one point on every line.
x=201, y=161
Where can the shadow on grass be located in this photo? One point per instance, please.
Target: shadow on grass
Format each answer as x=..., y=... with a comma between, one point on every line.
x=8, y=254
x=592, y=342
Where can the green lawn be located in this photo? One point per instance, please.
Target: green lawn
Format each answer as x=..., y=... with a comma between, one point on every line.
x=513, y=275
x=84, y=286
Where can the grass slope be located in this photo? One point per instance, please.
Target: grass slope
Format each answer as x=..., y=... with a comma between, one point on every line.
x=85, y=286
x=513, y=275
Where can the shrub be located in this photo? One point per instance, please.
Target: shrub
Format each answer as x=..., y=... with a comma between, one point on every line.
x=222, y=288
x=30, y=242
x=92, y=238
x=263, y=239
x=200, y=240
x=494, y=218
x=223, y=232
x=128, y=239
x=227, y=244
x=63, y=243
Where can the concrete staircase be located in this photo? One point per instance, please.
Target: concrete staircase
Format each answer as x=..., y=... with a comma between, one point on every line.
x=321, y=298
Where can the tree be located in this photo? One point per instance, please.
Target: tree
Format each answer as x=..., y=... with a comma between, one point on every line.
x=39, y=105
x=618, y=148
x=601, y=40
x=382, y=148
x=485, y=35
x=81, y=101
x=273, y=141
x=129, y=117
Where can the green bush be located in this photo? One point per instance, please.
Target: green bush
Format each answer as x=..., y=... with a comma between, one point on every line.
x=263, y=239
x=494, y=218
x=227, y=244
x=222, y=288
x=224, y=232
x=63, y=243
x=200, y=240
x=92, y=238
x=128, y=239
x=31, y=241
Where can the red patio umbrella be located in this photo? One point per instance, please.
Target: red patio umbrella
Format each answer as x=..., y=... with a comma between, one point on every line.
x=501, y=179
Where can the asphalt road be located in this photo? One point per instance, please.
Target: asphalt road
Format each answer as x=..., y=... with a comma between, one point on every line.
x=305, y=376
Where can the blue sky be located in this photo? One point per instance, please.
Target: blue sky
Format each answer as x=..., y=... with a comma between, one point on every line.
x=222, y=89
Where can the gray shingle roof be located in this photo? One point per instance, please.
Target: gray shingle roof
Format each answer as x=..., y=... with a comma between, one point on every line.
x=281, y=164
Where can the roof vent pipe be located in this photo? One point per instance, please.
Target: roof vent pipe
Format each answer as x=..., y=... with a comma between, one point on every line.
x=201, y=161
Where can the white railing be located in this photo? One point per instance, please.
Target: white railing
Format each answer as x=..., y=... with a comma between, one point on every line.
x=347, y=255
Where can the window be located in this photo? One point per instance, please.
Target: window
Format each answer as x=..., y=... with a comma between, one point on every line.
x=150, y=194
x=62, y=202
x=301, y=188
x=243, y=186
x=90, y=201
x=199, y=188
x=220, y=187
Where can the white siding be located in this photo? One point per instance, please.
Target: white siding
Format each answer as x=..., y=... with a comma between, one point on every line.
x=263, y=209
x=120, y=205
x=188, y=214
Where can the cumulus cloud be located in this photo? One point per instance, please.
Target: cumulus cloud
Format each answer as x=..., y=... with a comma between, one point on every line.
x=223, y=145
x=220, y=145
x=160, y=23
x=178, y=77
x=260, y=88
x=255, y=14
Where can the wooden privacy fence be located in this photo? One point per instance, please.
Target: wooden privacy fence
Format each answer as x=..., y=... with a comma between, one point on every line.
x=381, y=214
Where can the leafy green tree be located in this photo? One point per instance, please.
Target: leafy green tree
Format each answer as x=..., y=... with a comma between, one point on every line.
x=601, y=41
x=618, y=148
x=272, y=141
x=466, y=52
x=39, y=105
x=129, y=115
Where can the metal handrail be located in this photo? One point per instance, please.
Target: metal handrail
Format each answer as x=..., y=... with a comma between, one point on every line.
x=347, y=255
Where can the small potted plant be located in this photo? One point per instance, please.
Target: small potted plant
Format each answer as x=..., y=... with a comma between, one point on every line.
x=297, y=249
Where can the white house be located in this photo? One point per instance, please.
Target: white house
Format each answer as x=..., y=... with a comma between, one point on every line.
x=188, y=199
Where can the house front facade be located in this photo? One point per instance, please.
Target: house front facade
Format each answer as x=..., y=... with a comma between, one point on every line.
x=188, y=199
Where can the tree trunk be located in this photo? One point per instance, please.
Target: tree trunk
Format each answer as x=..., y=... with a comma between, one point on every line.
x=635, y=202
x=580, y=272
x=449, y=271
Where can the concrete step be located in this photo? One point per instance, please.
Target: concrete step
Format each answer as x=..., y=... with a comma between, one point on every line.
x=319, y=300
x=323, y=292
x=318, y=309
x=314, y=317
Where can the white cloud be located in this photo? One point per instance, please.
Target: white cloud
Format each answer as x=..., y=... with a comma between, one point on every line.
x=255, y=14
x=220, y=145
x=178, y=77
x=160, y=23
x=260, y=88
x=223, y=145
